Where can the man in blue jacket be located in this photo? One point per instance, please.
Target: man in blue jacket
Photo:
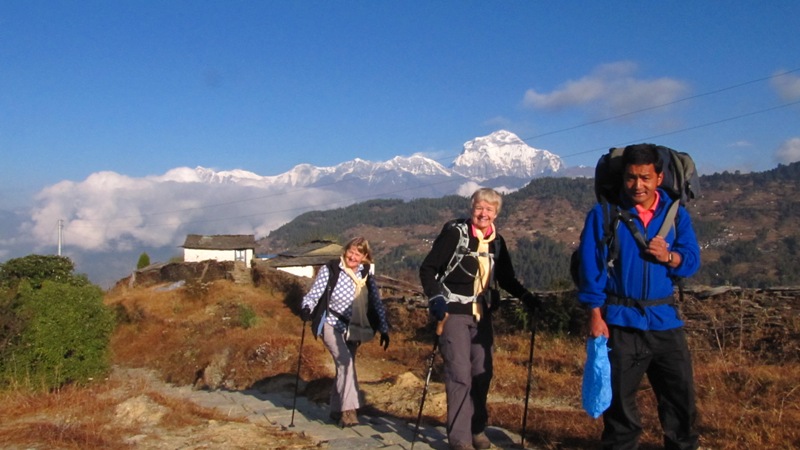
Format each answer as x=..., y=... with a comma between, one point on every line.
x=631, y=302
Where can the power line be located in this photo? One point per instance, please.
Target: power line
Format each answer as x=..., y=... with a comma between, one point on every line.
x=662, y=105
x=429, y=185
x=447, y=158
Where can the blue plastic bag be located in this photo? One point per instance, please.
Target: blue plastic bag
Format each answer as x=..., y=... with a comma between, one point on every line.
x=596, y=389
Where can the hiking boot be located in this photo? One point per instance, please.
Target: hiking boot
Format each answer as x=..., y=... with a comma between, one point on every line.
x=480, y=441
x=348, y=419
x=461, y=446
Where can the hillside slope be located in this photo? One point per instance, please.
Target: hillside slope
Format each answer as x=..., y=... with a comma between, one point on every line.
x=747, y=225
x=225, y=336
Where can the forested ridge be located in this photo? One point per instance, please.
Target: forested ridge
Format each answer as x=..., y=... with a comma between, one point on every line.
x=748, y=225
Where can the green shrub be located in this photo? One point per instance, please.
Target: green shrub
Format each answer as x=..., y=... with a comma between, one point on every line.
x=144, y=261
x=64, y=339
x=247, y=317
x=38, y=268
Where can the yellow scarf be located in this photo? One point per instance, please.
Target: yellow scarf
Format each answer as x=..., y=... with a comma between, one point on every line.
x=360, y=298
x=484, y=262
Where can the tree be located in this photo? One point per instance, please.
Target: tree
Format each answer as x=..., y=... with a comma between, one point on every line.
x=37, y=268
x=144, y=261
x=65, y=337
x=55, y=328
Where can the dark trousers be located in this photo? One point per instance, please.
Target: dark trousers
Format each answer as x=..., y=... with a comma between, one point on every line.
x=664, y=357
x=467, y=351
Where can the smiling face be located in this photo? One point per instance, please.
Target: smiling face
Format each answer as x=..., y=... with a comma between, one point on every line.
x=353, y=257
x=641, y=182
x=483, y=215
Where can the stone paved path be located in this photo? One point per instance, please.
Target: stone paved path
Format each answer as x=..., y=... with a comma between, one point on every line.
x=311, y=419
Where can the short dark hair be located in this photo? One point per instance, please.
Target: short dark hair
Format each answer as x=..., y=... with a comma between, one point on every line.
x=642, y=154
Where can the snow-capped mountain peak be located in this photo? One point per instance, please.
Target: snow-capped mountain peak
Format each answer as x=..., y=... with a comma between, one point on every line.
x=502, y=154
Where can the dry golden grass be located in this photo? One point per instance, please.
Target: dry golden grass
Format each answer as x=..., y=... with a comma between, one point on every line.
x=69, y=418
x=746, y=399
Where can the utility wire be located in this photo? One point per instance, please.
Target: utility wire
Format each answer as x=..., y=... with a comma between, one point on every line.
x=450, y=157
x=662, y=105
x=373, y=196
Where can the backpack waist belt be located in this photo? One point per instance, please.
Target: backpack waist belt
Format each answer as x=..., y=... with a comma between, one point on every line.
x=638, y=304
x=459, y=308
x=339, y=316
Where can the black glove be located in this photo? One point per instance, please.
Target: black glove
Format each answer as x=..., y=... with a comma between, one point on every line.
x=305, y=314
x=531, y=302
x=437, y=306
x=385, y=340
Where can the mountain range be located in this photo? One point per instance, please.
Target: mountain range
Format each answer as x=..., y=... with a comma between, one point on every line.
x=500, y=160
x=160, y=211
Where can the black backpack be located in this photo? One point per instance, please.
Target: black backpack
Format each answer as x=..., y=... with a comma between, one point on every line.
x=681, y=183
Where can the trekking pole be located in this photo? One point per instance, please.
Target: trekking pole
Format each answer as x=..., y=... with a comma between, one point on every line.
x=431, y=359
x=528, y=386
x=297, y=378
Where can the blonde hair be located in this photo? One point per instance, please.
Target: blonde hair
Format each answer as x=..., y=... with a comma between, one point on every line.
x=487, y=195
x=362, y=245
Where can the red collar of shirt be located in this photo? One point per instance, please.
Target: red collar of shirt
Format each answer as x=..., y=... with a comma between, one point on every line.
x=475, y=234
x=647, y=214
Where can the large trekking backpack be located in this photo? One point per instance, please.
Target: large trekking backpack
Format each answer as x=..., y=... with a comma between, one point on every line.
x=681, y=183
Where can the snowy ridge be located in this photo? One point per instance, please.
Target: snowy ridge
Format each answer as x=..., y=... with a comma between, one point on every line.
x=504, y=154
x=501, y=154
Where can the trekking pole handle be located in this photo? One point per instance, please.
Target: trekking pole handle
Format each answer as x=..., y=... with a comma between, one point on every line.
x=440, y=325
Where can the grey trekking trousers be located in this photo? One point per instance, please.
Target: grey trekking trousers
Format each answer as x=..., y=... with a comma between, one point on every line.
x=467, y=351
x=344, y=395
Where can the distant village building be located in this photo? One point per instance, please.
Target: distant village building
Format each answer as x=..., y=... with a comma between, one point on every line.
x=304, y=261
x=220, y=247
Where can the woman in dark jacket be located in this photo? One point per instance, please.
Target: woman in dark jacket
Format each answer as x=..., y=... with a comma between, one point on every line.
x=458, y=277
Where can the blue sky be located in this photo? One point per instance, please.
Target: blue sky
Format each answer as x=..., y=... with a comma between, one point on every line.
x=96, y=94
x=140, y=87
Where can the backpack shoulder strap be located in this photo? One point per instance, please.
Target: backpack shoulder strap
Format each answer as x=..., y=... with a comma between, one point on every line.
x=324, y=299
x=365, y=270
x=627, y=219
x=669, y=220
x=462, y=248
x=333, y=275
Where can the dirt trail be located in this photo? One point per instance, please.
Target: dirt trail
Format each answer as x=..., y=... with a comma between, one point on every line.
x=261, y=419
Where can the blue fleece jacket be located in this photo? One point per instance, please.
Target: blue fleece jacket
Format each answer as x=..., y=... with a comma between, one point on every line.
x=632, y=276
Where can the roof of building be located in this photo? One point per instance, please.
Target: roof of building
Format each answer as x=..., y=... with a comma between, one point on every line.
x=315, y=253
x=220, y=242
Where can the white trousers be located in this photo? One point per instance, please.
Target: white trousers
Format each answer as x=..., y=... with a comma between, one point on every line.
x=344, y=396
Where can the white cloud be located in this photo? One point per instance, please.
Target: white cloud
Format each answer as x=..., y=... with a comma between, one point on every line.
x=112, y=212
x=610, y=89
x=789, y=151
x=787, y=86
x=468, y=188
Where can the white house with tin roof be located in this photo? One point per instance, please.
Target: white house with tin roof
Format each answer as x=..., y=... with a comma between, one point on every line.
x=220, y=247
